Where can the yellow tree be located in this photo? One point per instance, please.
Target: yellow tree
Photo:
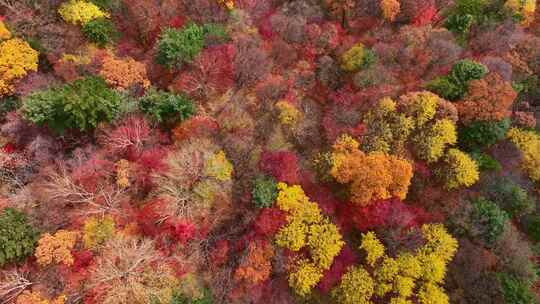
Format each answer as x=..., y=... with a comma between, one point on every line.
x=17, y=58
x=458, y=170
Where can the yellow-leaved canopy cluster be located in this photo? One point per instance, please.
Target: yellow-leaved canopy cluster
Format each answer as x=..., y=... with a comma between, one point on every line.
x=306, y=226
x=410, y=277
x=17, y=58
x=524, y=8
x=528, y=143
x=458, y=169
x=421, y=119
x=31, y=297
x=4, y=32
x=371, y=176
x=80, y=12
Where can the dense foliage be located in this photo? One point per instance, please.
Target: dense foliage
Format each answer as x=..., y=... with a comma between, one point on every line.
x=17, y=235
x=80, y=105
x=269, y=151
x=166, y=107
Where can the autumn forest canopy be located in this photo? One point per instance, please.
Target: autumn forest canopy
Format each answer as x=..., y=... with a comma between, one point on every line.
x=269, y=151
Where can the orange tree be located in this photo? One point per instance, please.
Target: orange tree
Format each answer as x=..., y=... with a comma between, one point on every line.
x=371, y=176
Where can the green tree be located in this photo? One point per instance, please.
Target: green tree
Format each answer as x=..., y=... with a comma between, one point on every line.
x=80, y=105
x=100, y=31
x=515, y=291
x=455, y=85
x=510, y=197
x=264, y=192
x=165, y=107
x=482, y=134
x=489, y=219
x=17, y=237
x=178, y=46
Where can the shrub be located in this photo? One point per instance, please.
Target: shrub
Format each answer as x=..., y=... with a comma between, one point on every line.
x=80, y=12
x=178, y=46
x=165, y=107
x=482, y=134
x=458, y=169
x=100, y=31
x=18, y=237
x=264, y=192
x=515, y=291
x=17, y=58
x=80, y=105
x=490, y=218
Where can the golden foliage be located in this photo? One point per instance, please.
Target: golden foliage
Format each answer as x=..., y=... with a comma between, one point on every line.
x=431, y=142
x=524, y=8
x=458, y=170
x=122, y=173
x=373, y=247
x=30, y=297
x=528, y=143
x=409, y=276
x=306, y=227
x=219, y=167
x=390, y=9
x=356, y=287
x=371, y=176
x=56, y=248
x=305, y=277
x=288, y=114
x=97, y=231
x=123, y=73
x=4, y=32
x=80, y=12
x=17, y=58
